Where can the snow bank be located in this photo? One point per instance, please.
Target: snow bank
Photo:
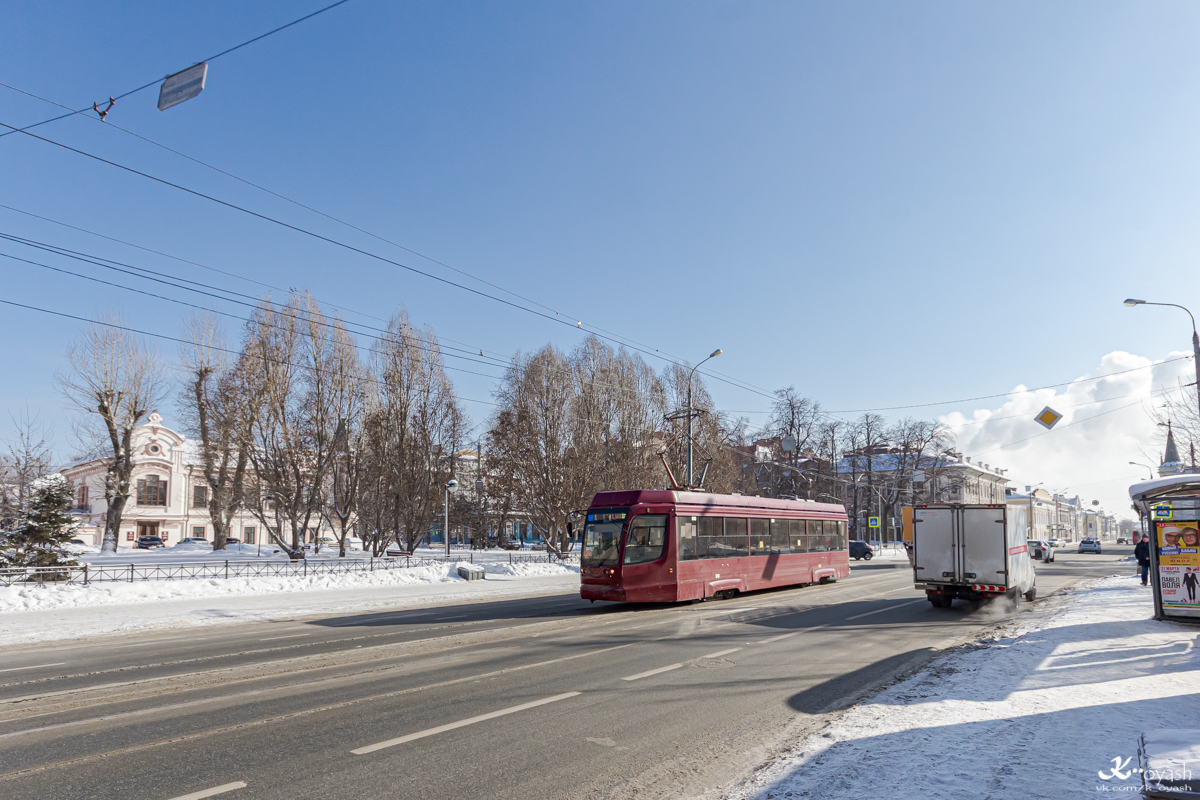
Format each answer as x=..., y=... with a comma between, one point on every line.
x=1041, y=713
x=47, y=612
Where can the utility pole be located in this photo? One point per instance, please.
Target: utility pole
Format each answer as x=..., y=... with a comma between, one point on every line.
x=688, y=479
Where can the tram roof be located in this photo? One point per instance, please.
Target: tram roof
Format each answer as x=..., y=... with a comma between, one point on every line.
x=711, y=500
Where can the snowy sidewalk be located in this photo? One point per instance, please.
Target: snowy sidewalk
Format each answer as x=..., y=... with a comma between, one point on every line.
x=48, y=612
x=1040, y=713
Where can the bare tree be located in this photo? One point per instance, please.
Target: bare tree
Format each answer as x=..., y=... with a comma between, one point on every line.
x=219, y=412
x=350, y=396
x=115, y=381
x=293, y=435
x=28, y=458
x=411, y=434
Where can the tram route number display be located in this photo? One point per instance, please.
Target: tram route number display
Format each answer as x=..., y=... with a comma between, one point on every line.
x=1178, y=545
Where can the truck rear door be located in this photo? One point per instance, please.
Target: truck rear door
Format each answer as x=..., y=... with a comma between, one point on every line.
x=984, y=552
x=934, y=553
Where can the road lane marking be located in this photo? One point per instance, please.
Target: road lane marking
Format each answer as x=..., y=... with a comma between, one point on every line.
x=783, y=636
x=456, y=616
x=289, y=636
x=641, y=675
x=213, y=792
x=35, y=666
x=881, y=610
x=380, y=619
x=719, y=653
x=362, y=751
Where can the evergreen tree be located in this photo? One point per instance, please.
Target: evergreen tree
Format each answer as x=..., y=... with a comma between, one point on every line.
x=44, y=529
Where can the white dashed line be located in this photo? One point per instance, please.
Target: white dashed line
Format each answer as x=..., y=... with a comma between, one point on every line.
x=291, y=636
x=213, y=792
x=720, y=653
x=881, y=610
x=652, y=672
x=35, y=666
x=460, y=724
x=456, y=616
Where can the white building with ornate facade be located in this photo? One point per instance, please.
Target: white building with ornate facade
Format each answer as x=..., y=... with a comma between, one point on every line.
x=168, y=496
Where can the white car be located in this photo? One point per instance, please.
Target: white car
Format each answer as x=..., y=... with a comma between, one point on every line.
x=1089, y=546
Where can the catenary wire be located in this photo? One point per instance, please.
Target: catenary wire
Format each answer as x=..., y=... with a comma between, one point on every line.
x=162, y=278
x=227, y=51
x=342, y=308
x=553, y=318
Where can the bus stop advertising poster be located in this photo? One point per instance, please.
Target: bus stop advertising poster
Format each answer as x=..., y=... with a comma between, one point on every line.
x=1171, y=507
x=1178, y=543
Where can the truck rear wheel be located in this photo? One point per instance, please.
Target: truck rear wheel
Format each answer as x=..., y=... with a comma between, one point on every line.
x=1031, y=595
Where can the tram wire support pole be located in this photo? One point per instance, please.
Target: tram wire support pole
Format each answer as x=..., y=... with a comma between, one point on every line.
x=688, y=480
x=1195, y=339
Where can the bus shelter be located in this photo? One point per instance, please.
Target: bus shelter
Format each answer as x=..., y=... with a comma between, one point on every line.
x=1171, y=508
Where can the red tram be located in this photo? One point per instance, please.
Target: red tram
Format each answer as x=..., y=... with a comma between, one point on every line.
x=668, y=546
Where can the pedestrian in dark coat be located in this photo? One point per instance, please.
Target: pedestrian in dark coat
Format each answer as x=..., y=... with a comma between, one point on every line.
x=1142, y=554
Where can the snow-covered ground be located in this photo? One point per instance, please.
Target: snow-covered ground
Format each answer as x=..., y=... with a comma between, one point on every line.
x=1040, y=712
x=46, y=612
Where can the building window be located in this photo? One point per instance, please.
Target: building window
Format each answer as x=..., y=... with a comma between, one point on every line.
x=199, y=532
x=151, y=491
x=248, y=535
x=199, y=497
x=83, y=494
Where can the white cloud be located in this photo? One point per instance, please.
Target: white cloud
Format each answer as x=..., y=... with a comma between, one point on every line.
x=1106, y=424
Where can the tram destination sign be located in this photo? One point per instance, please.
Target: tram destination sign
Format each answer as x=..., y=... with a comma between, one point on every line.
x=606, y=516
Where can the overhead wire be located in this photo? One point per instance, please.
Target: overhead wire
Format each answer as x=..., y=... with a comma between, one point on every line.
x=224, y=52
x=165, y=337
x=217, y=270
x=158, y=277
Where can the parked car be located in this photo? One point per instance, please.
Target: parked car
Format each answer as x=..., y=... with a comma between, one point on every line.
x=511, y=544
x=1058, y=541
x=79, y=541
x=396, y=551
x=232, y=540
x=194, y=540
x=148, y=542
x=1122, y=540
x=1089, y=546
x=860, y=550
x=538, y=546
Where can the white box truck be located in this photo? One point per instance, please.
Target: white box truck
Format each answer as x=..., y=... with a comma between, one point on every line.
x=973, y=552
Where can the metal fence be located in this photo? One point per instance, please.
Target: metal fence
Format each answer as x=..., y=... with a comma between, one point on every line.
x=191, y=570
x=548, y=557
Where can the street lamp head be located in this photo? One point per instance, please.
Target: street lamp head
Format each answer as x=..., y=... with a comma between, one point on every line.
x=1132, y=302
x=715, y=353
x=451, y=484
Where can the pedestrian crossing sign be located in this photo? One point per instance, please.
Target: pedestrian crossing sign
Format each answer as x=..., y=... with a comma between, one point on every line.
x=873, y=522
x=1047, y=417
x=1162, y=511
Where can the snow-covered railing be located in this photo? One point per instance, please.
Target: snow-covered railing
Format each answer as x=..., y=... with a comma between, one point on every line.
x=195, y=570
x=550, y=557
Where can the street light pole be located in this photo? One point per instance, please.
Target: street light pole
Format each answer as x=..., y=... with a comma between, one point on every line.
x=1195, y=339
x=714, y=354
x=451, y=485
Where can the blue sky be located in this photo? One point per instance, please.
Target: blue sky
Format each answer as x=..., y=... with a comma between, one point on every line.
x=881, y=204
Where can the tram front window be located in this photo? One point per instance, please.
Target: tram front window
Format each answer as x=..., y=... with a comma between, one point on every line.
x=602, y=538
x=647, y=537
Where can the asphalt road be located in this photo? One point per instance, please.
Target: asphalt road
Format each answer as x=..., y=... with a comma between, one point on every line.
x=549, y=697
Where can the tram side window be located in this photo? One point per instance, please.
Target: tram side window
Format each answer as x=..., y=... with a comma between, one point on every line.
x=688, y=547
x=760, y=537
x=799, y=539
x=710, y=539
x=781, y=535
x=839, y=541
x=816, y=536
x=646, y=538
x=737, y=537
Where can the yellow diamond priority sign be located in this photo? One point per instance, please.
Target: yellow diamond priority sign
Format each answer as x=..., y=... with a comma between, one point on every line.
x=1047, y=417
